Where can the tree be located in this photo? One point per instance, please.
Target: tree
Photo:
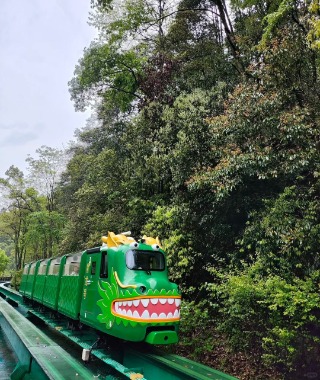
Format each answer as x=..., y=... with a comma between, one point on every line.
x=20, y=202
x=45, y=172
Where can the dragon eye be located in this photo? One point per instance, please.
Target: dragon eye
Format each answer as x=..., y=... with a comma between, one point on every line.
x=155, y=247
x=134, y=245
x=142, y=289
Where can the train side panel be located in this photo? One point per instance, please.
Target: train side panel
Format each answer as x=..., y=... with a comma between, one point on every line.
x=40, y=280
x=52, y=284
x=71, y=287
x=24, y=278
x=31, y=279
x=95, y=269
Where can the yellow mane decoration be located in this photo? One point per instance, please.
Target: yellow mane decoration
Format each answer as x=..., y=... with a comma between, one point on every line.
x=150, y=240
x=113, y=240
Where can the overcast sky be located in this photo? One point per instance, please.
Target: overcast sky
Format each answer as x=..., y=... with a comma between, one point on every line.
x=40, y=43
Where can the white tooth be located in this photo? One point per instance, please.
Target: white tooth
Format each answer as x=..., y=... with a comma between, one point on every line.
x=170, y=315
x=162, y=316
x=129, y=303
x=123, y=312
x=176, y=314
x=129, y=313
x=136, y=303
x=125, y=303
x=145, y=302
x=177, y=301
x=154, y=301
x=136, y=314
x=154, y=316
x=120, y=303
x=170, y=301
x=117, y=307
x=163, y=301
x=145, y=315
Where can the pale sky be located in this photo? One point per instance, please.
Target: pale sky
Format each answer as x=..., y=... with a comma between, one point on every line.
x=40, y=43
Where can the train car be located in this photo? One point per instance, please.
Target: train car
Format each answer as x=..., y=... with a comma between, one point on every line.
x=30, y=280
x=24, y=278
x=40, y=280
x=71, y=287
x=53, y=280
x=121, y=289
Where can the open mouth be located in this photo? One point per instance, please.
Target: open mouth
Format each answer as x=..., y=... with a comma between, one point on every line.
x=162, y=309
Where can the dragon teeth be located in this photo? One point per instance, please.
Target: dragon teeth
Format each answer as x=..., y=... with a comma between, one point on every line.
x=129, y=308
x=145, y=302
x=145, y=315
x=154, y=301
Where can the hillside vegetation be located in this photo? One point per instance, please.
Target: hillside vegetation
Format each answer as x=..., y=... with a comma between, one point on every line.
x=205, y=132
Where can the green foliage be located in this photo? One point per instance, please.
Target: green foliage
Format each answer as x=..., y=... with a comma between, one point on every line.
x=196, y=342
x=273, y=19
x=273, y=316
x=284, y=236
x=16, y=279
x=166, y=223
x=258, y=138
x=44, y=233
x=108, y=73
x=4, y=260
x=314, y=33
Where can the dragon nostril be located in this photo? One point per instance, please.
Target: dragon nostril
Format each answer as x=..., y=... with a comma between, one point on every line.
x=142, y=289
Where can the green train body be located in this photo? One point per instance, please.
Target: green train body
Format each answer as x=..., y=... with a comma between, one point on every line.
x=121, y=289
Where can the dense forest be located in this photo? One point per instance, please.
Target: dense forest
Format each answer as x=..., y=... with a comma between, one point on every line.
x=205, y=132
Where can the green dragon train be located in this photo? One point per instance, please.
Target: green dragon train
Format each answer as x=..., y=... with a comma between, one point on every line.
x=121, y=289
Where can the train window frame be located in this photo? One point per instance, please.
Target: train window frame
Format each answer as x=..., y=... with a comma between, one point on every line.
x=104, y=265
x=93, y=268
x=132, y=265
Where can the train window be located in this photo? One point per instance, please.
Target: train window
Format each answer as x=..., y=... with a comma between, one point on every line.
x=72, y=265
x=104, y=265
x=43, y=267
x=54, y=267
x=145, y=260
x=25, y=269
x=93, y=267
x=33, y=268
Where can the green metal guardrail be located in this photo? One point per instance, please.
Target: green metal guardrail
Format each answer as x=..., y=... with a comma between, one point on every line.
x=39, y=357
